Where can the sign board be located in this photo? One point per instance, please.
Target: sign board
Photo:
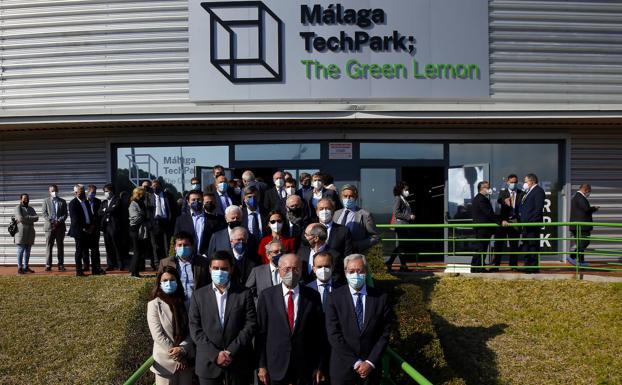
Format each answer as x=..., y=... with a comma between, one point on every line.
x=339, y=151
x=302, y=50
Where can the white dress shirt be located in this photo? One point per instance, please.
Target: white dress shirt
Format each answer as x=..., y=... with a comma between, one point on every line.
x=363, y=294
x=274, y=274
x=221, y=301
x=296, y=297
x=312, y=255
x=86, y=212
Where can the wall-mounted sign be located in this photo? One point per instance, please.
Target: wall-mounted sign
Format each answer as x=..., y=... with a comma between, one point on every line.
x=340, y=150
x=298, y=50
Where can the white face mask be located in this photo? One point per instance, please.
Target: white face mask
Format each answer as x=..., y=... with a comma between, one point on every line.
x=106, y=194
x=323, y=273
x=486, y=192
x=290, y=191
x=279, y=182
x=325, y=215
x=405, y=193
x=276, y=227
x=317, y=184
x=53, y=194
x=525, y=186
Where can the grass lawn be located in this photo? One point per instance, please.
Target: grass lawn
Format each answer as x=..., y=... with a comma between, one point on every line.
x=66, y=330
x=484, y=331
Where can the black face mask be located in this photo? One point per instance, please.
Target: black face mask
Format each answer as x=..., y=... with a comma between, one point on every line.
x=147, y=189
x=82, y=196
x=25, y=203
x=209, y=206
x=305, y=241
x=234, y=224
x=294, y=212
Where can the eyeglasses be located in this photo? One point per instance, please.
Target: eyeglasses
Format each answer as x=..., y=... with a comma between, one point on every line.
x=279, y=251
x=273, y=221
x=357, y=271
x=294, y=269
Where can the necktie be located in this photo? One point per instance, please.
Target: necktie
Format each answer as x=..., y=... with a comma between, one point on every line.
x=290, y=310
x=513, y=198
x=324, y=295
x=256, y=230
x=275, y=278
x=344, y=218
x=358, y=309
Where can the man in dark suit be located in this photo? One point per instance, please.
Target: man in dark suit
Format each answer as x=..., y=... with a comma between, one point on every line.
x=249, y=180
x=80, y=226
x=360, y=222
x=581, y=211
x=530, y=211
x=275, y=197
x=252, y=218
x=358, y=323
x=323, y=268
x=225, y=195
x=291, y=342
x=164, y=216
x=92, y=249
x=222, y=322
x=267, y=275
x=297, y=219
x=507, y=237
x=200, y=222
x=244, y=253
x=221, y=240
x=313, y=196
x=482, y=211
x=54, y=214
x=315, y=242
x=110, y=214
x=339, y=237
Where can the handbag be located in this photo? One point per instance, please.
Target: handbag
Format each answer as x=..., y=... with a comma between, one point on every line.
x=13, y=227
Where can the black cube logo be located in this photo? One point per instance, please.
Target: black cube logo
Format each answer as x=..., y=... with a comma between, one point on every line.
x=246, y=41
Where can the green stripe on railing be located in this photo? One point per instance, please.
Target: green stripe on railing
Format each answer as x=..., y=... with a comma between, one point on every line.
x=140, y=372
x=407, y=368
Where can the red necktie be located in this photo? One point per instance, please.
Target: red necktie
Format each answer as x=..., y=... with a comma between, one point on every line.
x=290, y=310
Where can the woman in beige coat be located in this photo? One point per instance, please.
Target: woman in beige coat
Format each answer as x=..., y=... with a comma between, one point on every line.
x=168, y=323
x=25, y=236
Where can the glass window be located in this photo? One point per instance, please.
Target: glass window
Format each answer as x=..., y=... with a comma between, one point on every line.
x=175, y=165
x=301, y=151
x=401, y=151
x=376, y=192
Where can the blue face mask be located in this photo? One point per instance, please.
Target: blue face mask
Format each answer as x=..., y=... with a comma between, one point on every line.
x=512, y=186
x=356, y=280
x=349, y=203
x=196, y=206
x=196, y=186
x=275, y=259
x=183, y=252
x=222, y=186
x=91, y=195
x=240, y=248
x=251, y=203
x=220, y=277
x=168, y=287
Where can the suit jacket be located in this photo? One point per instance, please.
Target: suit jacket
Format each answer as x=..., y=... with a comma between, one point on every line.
x=363, y=230
x=581, y=211
x=531, y=206
x=94, y=206
x=200, y=269
x=235, y=335
x=220, y=241
x=78, y=225
x=48, y=211
x=172, y=210
x=212, y=224
x=26, y=218
x=304, y=252
x=339, y=240
x=401, y=211
x=335, y=285
x=507, y=212
x=259, y=279
x=242, y=268
x=235, y=199
x=110, y=213
x=483, y=213
x=326, y=193
x=348, y=344
x=261, y=219
x=160, y=321
x=296, y=231
x=277, y=347
x=273, y=201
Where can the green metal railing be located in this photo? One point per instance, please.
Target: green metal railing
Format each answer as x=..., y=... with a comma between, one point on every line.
x=144, y=368
x=453, y=240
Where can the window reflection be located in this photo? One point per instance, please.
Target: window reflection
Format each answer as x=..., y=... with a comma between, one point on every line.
x=401, y=151
x=300, y=151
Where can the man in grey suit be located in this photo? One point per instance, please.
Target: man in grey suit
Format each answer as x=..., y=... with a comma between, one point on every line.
x=265, y=276
x=54, y=216
x=360, y=222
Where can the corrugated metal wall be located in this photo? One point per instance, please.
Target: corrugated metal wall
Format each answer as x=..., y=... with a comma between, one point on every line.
x=87, y=56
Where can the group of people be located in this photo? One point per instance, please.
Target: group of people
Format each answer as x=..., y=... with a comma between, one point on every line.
x=525, y=206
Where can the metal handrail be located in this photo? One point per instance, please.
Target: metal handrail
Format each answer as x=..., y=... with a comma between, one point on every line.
x=140, y=371
x=577, y=226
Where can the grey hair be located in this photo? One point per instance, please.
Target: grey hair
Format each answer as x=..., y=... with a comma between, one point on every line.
x=248, y=176
x=240, y=229
x=532, y=177
x=77, y=187
x=350, y=187
x=282, y=259
x=320, y=231
x=354, y=257
x=272, y=242
x=233, y=208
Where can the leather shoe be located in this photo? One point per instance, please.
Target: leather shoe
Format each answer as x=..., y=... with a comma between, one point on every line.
x=79, y=274
x=29, y=270
x=61, y=268
x=48, y=268
x=99, y=272
x=110, y=268
x=20, y=271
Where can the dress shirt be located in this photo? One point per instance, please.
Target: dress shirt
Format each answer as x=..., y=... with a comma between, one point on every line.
x=316, y=198
x=86, y=212
x=513, y=198
x=199, y=224
x=312, y=255
x=349, y=220
x=321, y=288
x=225, y=201
x=296, y=297
x=221, y=301
x=54, y=215
x=363, y=294
x=251, y=222
x=282, y=193
x=274, y=274
x=329, y=227
x=160, y=206
x=187, y=278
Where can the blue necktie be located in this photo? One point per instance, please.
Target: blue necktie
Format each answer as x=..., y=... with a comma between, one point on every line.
x=324, y=295
x=358, y=309
x=256, y=230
